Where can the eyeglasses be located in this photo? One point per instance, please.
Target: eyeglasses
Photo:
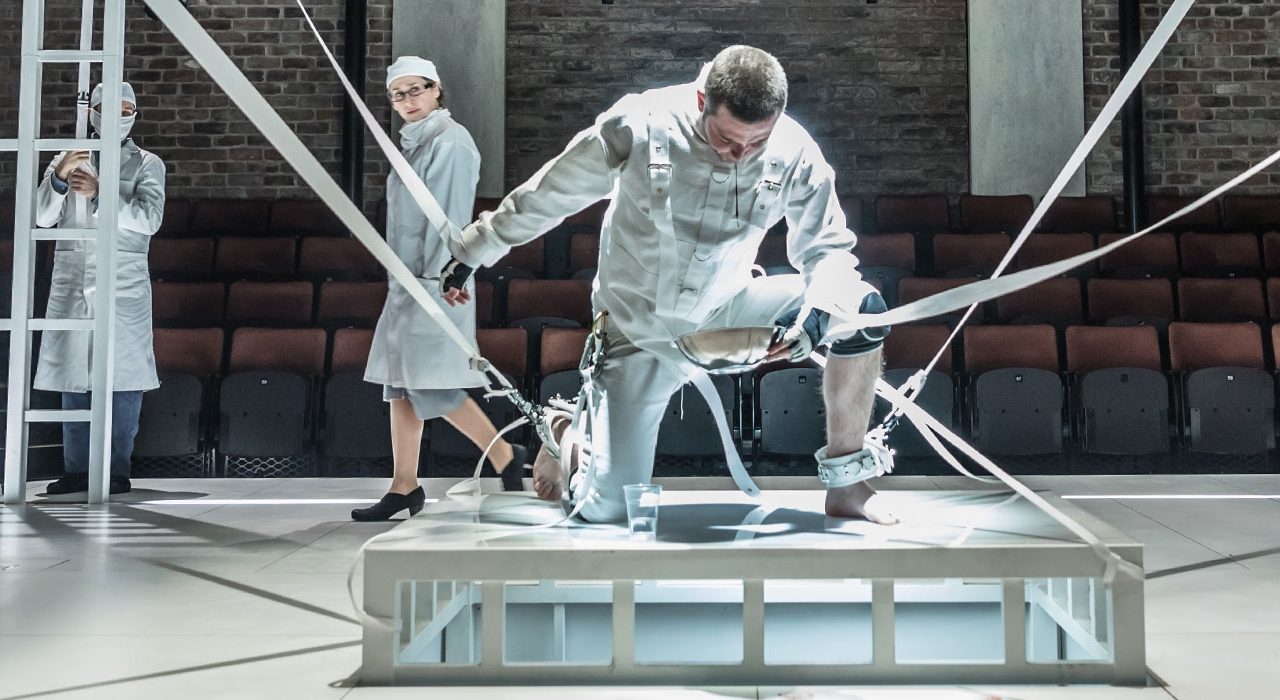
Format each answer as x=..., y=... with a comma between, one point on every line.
x=414, y=91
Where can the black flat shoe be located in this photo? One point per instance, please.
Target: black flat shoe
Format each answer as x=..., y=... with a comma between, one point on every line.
x=71, y=483
x=120, y=484
x=391, y=504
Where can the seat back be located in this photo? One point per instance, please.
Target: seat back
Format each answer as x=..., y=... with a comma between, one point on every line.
x=169, y=424
x=925, y=213
x=1221, y=300
x=357, y=422
x=303, y=217
x=791, y=413
x=181, y=259
x=1092, y=214
x=995, y=213
x=269, y=303
x=688, y=427
x=188, y=304
x=936, y=397
x=350, y=304
x=345, y=259
x=255, y=258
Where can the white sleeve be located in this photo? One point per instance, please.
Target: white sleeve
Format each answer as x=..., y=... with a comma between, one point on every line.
x=144, y=211
x=583, y=174
x=49, y=202
x=819, y=241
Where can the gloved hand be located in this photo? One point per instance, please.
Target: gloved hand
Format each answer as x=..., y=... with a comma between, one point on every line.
x=797, y=344
x=453, y=282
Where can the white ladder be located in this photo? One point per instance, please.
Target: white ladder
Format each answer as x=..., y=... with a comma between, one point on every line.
x=29, y=147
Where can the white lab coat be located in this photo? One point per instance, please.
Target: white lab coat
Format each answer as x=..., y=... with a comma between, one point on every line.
x=656, y=286
x=409, y=349
x=65, y=356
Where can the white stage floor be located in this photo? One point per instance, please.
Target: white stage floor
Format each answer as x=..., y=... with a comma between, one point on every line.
x=236, y=589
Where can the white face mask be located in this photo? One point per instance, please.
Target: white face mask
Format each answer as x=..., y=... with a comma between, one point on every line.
x=126, y=123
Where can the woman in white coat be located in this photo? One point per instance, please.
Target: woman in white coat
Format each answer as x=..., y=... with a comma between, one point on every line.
x=422, y=372
x=70, y=186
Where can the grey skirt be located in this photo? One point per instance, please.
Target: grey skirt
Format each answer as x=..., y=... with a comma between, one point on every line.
x=427, y=403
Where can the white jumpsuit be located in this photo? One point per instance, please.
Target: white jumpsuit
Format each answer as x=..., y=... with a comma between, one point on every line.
x=65, y=355
x=410, y=351
x=677, y=245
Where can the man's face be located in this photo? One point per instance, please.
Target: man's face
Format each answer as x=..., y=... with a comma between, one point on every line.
x=731, y=138
x=412, y=107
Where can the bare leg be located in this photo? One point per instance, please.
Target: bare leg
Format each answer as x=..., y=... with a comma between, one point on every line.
x=406, y=441
x=849, y=393
x=472, y=422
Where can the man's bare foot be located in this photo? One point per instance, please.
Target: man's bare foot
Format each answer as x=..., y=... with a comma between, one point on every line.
x=548, y=479
x=853, y=502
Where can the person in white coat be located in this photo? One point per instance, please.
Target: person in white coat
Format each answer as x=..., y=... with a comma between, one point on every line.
x=69, y=186
x=423, y=373
x=697, y=173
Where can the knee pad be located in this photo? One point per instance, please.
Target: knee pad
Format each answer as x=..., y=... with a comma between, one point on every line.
x=865, y=340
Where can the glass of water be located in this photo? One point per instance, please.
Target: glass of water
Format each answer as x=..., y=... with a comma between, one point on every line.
x=642, y=509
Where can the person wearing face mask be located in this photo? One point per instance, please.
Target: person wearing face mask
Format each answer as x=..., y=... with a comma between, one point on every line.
x=422, y=372
x=70, y=186
x=696, y=174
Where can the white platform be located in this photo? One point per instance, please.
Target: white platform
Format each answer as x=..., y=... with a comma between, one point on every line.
x=972, y=587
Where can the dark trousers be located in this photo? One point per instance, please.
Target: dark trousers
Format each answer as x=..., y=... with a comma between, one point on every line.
x=126, y=406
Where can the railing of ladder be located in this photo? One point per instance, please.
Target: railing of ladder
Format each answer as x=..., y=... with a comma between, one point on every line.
x=30, y=147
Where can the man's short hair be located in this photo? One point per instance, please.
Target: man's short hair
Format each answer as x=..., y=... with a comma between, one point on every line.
x=749, y=82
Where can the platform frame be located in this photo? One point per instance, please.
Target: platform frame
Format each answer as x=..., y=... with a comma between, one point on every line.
x=1068, y=568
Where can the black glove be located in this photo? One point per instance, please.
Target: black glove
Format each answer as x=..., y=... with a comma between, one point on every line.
x=454, y=275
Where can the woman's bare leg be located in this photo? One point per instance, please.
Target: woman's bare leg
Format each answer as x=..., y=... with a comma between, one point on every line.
x=406, y=442
x=472, y=422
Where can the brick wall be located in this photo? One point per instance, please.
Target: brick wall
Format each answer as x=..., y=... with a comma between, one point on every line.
x=883, y=88
x=210, y=148
x=1212, y=99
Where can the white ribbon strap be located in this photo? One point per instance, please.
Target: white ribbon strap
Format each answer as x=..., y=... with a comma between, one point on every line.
x=702, y=382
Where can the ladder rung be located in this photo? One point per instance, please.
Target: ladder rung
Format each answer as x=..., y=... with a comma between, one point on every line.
x=68, y=56
x=57, y=415
x=8, y=145
x=68, y=144
x=60, y=324
x=5, y=323
x=64, y=234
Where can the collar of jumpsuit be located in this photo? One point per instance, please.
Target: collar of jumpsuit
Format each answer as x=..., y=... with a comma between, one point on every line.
x=415, y=134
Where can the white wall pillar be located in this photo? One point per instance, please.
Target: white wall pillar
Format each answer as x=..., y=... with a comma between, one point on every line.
x=1026, y=94
x=467, y=40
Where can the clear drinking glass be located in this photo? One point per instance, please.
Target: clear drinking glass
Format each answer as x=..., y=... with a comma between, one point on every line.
x=642, y=509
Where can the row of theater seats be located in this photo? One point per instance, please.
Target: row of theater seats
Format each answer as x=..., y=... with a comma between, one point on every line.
x=1030, y=390
x=1156, y=301
x=331, y=304
x=1059, y=301
x=293, y=401
x=936, y=213
x=276, y=402
x=977, y=254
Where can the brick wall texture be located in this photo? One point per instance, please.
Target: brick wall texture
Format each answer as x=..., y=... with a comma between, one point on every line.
x=210, y=148
x=1212, y=99
x=883, y=86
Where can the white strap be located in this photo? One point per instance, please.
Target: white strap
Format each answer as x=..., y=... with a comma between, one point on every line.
x=1113, y=564
x=702, y=382
x=1128, y=83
